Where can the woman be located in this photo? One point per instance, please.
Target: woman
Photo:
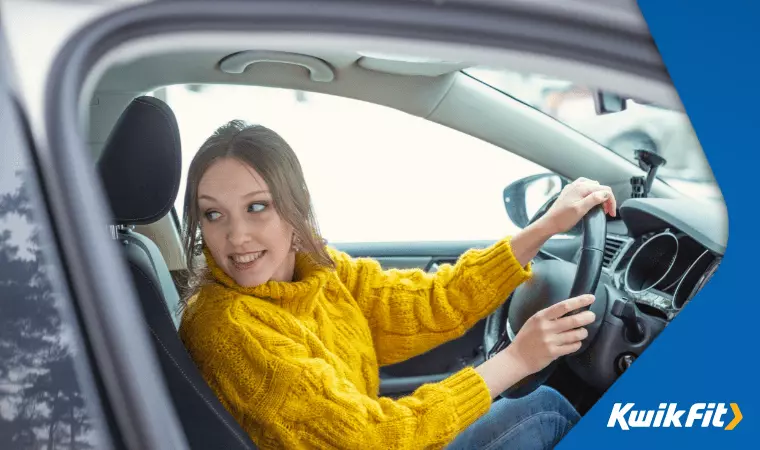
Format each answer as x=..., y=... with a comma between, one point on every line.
x=290, y=333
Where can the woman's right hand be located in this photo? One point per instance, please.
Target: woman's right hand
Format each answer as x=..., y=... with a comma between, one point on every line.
x=547, y=335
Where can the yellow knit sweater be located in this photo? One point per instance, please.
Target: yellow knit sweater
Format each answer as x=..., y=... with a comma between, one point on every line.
x=296, y=363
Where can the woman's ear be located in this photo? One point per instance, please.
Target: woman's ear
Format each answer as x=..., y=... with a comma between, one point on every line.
x=295, y=243
x=200, y=243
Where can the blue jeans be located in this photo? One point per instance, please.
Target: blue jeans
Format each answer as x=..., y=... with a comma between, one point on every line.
x=537, y=421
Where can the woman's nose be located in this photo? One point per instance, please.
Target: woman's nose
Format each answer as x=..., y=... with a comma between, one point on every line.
x=238, y=232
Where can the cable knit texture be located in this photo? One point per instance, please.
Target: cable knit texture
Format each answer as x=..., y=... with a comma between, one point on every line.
x=296, y=363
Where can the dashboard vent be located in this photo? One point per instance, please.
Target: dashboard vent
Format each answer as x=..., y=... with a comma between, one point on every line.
x=612, y=247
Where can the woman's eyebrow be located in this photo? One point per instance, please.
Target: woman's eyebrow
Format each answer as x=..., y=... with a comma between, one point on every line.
x=207, y=197
x=250, y=194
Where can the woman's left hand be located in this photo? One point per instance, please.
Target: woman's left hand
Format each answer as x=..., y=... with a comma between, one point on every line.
x=575, y=201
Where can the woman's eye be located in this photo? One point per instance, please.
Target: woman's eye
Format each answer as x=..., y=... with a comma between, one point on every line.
x=212, y=216
x=257, y=207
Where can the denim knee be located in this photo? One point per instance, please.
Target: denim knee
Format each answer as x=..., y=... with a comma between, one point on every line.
x=546, y=398
x=536, y=421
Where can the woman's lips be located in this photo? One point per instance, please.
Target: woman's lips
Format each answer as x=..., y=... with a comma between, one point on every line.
x=246, y=262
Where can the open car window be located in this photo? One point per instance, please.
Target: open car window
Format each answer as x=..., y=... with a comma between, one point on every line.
x=376, y=174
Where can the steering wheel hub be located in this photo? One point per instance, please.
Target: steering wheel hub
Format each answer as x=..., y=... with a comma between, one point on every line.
x=550, y=284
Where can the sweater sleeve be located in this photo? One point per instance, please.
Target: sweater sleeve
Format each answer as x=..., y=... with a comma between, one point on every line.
x=412, y=311
x=284, y=397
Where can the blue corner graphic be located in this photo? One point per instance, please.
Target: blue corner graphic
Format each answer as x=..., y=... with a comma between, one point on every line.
x=707, y=356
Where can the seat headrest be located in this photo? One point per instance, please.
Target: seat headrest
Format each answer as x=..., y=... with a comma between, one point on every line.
x=141, y=164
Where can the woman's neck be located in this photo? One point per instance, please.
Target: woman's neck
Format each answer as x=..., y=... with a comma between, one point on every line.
x=286, y=272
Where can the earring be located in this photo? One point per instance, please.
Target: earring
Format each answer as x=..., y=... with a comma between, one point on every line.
x=296, y=245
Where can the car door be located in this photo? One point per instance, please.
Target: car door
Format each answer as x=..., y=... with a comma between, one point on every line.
x=75, y=368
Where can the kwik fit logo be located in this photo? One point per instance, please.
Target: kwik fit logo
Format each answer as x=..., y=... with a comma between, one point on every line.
x=668, y=415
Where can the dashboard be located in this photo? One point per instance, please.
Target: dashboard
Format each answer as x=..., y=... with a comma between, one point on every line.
x=658, y=254
x=664, y=251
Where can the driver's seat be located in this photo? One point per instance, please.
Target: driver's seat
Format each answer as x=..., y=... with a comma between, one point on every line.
x=140, y=169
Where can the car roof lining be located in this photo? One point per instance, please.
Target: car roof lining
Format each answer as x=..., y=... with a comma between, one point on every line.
x=143, y=65
x=146, y=64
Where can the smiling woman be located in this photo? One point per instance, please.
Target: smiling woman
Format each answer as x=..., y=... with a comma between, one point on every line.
x=227, y=198
x=296, y=328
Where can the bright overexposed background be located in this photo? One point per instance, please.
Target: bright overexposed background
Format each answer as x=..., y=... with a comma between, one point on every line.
x=375, y=173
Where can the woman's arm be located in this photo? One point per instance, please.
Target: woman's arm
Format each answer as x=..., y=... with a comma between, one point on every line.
x=574, y=202
x=528, y=241
x=411, y=311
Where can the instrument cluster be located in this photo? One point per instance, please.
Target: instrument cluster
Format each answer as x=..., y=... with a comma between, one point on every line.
x=661, y=271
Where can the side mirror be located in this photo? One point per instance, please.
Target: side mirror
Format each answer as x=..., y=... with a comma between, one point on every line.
x=524, y=198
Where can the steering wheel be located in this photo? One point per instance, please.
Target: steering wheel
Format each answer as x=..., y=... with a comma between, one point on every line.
x=552, y=282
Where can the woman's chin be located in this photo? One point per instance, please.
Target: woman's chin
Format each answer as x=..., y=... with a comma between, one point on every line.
x=249, y=279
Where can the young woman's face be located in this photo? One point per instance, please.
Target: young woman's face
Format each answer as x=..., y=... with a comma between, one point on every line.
x=241, y=227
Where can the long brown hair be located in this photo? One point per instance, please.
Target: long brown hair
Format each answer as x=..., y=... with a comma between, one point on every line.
x=270, y=155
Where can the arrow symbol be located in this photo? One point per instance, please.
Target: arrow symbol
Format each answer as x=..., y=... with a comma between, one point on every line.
x=737, y=417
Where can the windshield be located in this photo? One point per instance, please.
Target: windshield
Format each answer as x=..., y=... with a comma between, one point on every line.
x=639, y=126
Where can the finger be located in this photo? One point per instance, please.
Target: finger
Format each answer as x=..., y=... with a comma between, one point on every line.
x=563, y=350
x=581, y=319
x=560, y=309
x=613, y=204
x=599, y=187
x=599, y=196
x=584, y=186
x=608, y=203
x=585, y=180
x=571, y=336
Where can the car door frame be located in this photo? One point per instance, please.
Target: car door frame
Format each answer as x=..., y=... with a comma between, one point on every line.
x=129, y=391
x=73, y=363
x=107, y=302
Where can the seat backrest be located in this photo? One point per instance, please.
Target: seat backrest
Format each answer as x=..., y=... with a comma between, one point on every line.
x=140, y=168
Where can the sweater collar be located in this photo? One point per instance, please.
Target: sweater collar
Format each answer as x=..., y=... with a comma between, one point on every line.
x=298, y=296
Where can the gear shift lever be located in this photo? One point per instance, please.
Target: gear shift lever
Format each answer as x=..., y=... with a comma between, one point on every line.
x=626, y=311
